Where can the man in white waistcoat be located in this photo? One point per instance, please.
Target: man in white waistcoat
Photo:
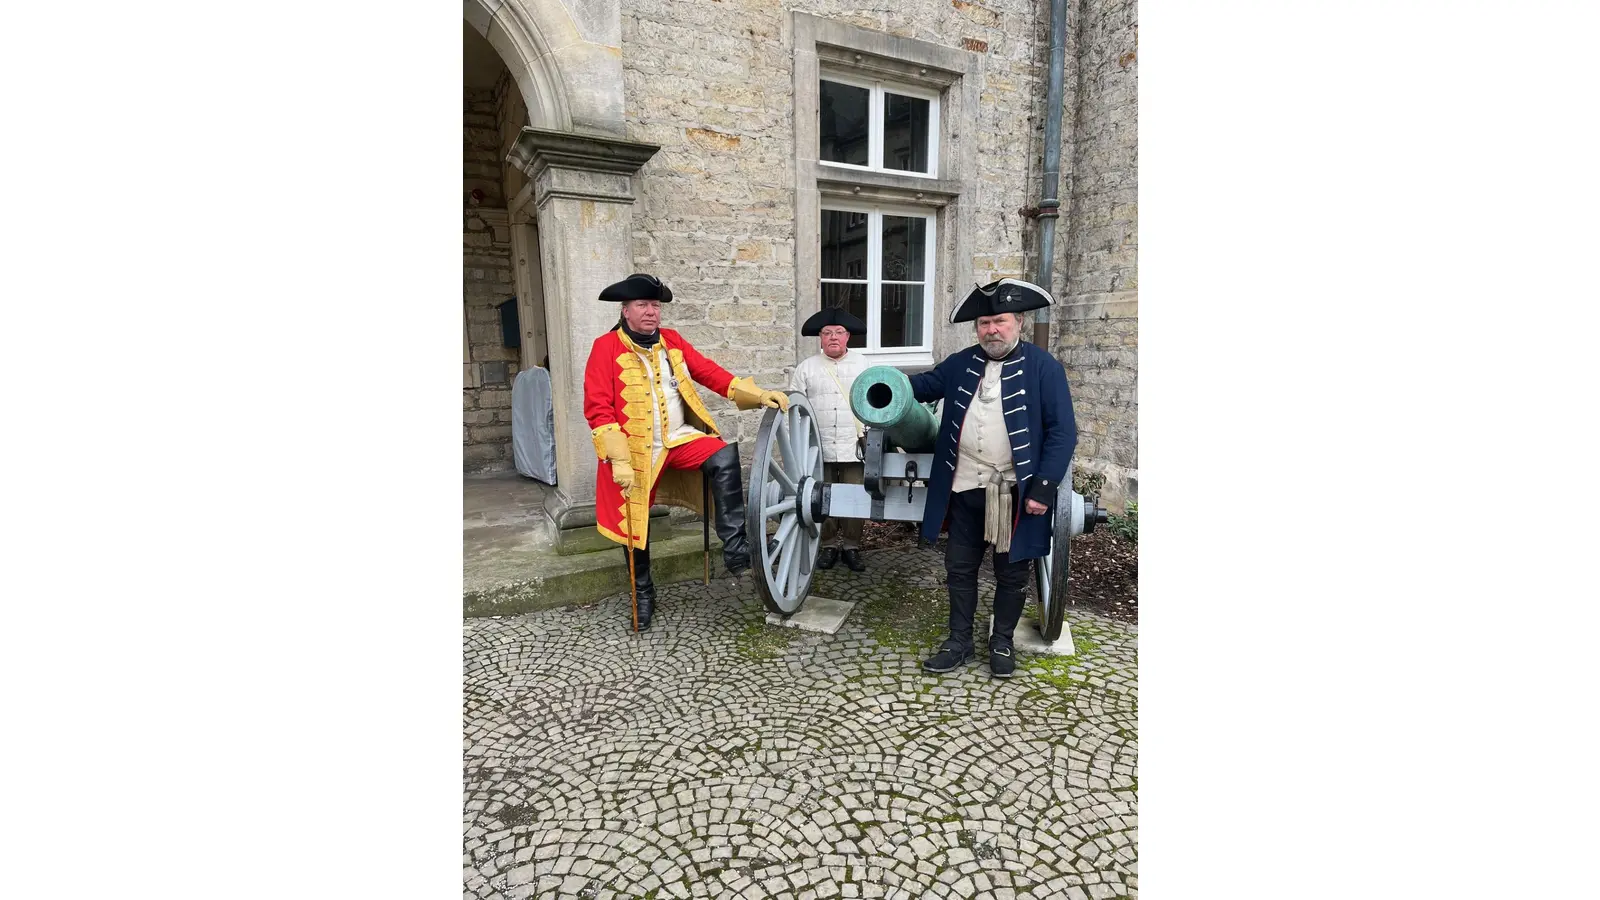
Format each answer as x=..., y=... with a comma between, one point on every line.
x=826, y=379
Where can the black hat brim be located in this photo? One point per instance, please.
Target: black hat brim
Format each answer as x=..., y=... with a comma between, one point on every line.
x=637, y=287
x=833, y=315
x=1008, y=295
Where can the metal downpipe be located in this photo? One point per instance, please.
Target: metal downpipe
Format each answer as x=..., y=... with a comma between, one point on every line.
x=1050, y=201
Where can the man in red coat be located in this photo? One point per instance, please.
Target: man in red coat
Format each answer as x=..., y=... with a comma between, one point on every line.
x=654, y=437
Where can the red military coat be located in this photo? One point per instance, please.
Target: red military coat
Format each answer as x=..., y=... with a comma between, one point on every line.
x=617, y=394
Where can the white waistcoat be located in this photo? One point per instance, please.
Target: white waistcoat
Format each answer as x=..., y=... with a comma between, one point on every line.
x=985, y=452
x=668, y=397
x=826, y=384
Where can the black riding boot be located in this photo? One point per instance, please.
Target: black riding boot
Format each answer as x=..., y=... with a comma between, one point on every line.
x=961, y=566
x=643, y=585
x=722, y=470
x=1010, y=595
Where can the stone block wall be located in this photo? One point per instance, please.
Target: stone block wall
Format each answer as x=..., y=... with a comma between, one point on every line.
x=1098, y=340
x=488, y=281
x=712, y=83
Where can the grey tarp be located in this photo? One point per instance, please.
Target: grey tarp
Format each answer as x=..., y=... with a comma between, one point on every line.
x=533, y=425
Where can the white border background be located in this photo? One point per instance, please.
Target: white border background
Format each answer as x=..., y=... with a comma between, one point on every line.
x=231, y=657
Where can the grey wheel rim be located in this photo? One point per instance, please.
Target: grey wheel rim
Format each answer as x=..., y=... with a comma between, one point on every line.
x=784, y=537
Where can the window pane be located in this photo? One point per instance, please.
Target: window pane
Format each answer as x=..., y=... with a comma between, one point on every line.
x=842, y=115
x=844, y=244
x=905, y=133
x=853, y=299
x=901, y=322
x=905, y=240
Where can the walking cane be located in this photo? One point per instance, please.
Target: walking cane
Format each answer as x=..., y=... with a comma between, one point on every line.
x=705, y=521
x=633, y=580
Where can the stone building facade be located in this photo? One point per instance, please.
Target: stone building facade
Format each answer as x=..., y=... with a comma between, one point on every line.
x=763, y=157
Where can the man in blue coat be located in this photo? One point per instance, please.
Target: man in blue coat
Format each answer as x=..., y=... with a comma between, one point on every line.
x=1004, y=448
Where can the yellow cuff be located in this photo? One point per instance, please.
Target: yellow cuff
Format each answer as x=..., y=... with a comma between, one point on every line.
x=599, y=437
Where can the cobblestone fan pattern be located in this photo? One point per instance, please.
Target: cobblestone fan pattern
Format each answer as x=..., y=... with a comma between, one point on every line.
x=717, y=756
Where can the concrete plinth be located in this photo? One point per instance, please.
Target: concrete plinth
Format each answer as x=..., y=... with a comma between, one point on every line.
x=1027, y=638
x=818, y=614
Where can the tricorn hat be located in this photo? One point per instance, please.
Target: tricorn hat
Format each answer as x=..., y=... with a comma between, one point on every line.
x=1008, y=295
x=637, y=287
x=832, y=315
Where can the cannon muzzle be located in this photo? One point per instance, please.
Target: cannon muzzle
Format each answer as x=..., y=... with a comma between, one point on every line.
x=881, y=398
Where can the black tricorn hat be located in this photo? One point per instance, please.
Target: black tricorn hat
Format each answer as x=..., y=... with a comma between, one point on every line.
x=1008, y=295
x=832, y=315
x=637, y=287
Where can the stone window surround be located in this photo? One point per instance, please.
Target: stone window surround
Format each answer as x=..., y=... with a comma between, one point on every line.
x=823, y=45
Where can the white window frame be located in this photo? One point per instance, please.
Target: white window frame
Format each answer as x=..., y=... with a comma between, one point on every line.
x=875, y=107
x=919, y=355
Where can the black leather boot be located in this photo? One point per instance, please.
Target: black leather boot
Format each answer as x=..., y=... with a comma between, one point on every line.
x=827, y=557
x=1010, y=595
x=722, y=470
x=852, y=558
x=962, y=564
x=643, y=585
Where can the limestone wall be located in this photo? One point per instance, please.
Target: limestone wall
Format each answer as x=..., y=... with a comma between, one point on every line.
x=1099, y=338
x=712, y=84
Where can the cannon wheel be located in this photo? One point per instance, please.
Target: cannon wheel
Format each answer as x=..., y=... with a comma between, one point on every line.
x=785, y=488
x=1050, y=571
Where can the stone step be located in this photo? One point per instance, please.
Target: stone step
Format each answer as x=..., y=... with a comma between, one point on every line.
x=516, y=574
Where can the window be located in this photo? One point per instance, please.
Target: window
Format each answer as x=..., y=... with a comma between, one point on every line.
x=877, y=264
x=878, y=182
x=877, y=126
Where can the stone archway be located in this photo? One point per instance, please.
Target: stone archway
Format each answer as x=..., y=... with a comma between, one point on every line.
x=565, y=57
x=569, y=183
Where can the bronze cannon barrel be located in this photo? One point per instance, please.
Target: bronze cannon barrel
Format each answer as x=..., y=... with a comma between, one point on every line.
x=881, y=398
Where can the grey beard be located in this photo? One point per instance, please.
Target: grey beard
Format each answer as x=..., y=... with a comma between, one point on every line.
x=1004, y=353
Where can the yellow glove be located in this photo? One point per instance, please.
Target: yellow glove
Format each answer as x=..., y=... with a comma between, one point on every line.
x=745, y=394
x=621, y=467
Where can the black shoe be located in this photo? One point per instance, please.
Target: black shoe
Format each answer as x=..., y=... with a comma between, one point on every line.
x=852, y=558
x=828, y=557
x=950, y=657
x=1002, y=660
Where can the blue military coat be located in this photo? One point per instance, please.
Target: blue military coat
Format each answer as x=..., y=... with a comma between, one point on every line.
x=1038, y=414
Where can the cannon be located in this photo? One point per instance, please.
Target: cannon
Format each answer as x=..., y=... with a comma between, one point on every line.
x=788, y=500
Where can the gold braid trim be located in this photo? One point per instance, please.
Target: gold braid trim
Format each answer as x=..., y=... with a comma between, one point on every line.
x=691, y=396
x=638, y=404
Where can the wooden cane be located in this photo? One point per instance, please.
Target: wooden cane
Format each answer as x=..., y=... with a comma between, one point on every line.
x=633, y=579
x=705, y=520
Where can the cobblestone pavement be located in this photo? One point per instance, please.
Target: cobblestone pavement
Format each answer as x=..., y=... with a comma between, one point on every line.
x=717, y=756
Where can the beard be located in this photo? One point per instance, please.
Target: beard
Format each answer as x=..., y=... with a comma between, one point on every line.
x=998, y=348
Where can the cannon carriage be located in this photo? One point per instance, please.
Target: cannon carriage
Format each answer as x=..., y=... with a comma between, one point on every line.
x=789, y=501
